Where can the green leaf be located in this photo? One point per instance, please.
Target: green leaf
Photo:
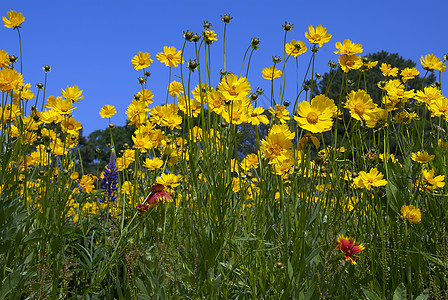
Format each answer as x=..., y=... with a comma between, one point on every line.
x=423, y=296
x=371, y=295
x=400, y=292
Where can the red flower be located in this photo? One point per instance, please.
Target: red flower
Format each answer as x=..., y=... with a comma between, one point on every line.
x=348, y=246
x=157, y=196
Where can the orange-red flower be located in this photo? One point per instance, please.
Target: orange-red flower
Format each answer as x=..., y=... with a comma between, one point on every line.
x=349, y=247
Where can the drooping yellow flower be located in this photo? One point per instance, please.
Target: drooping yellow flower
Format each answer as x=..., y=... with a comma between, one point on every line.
x=315, y=116
x=422, y=157
x=14, y=19
x=350, y=62
x=360, y=105
x=348, y=48
x=295, y=48
x=107, y=111
x=317, y=36
x=141, y=60
x=271, y=73
x=73, y=93
x=409, y=73
x=411, y=213
x=431, y=62
x=170, y=56
x=387, y=70
x=367, y=180
x=175, y=88
x=233, y=88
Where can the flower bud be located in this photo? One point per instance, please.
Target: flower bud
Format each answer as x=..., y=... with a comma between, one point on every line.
x=259, y=91
x=39, y=86
x=141, y=80
x=195, y=37
x=111, y=125
x=318, y=75
x=226, y=18
x=287, y=26
x=192, y=64
x=276, y=59
x=206, y=25
x=188, y=35
x=46, y=68
x=332, y=64
x=12, y=58
x=147, y=74
x=254, y=96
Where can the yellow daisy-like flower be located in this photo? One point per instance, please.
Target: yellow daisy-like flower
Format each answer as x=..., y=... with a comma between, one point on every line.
x=281, y=113
x=439, y=107
x=233, y=88
x=348, y=48
x=315, y=116
x=153, y=164
x=350, y=62
x=4, y=59
x=367, y=180
x=428, y=95
x=360, y=105
x=411, y=213
x=317, y=36
x=210, y=36
x=422, y=157
x=387, y=70
x=431, y=62
x=271, y=73
x=14, y=19
x=409, y=73
x=10, y=80
x=141, y=60
x=107, y=111
x=175, y=88
x=295, y=48
x=170, y=56
x=431, y=183
x=73, y=93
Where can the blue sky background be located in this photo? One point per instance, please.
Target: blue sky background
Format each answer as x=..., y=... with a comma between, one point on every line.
x=90, y=43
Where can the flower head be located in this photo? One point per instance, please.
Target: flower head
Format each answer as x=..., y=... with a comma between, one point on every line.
x=348, y=48
x=349, y=247
x=411, y=213
x=141, y=60
x=422, y=157
x=110, y=179
x=170, y=56
x=317, y=36
x=431, y=62
x=295, y=48
x=14, y=19
x=271, y=73
x=315, y=116
x=107, y=111
x=367, y=180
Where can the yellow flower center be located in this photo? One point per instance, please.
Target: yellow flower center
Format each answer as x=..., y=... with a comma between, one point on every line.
x=312, y=118
x=359, y=109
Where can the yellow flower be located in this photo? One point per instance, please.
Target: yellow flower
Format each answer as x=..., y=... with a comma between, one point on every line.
x=86, y=183
x=145, y=96
x=71, y=126
x=408, y=73
x=411, y=213
x=153, y=164
x=430, y=182
x=428, y=95
x=257, y=116
x=281, y=113
x=141, y=60
x=367, y=180
x=15, y=19
x=4, y=59
x=431, y=62
x=64, y=106
x=295, y=48
x=233, y=88
x=360, y=105
x=170, y=181
x=10, y=80
x=350, y=62
x=172, y=121
x=271, y=73
x=72, y=92
x=348, y=48
x=107, y=111
x=317, y=36
x=142, y=142
x=387, y=70
x=210, y=36
x=315, y=116
x=422, y=157
x=175, y=88
x=170, y=56
x=439, y=107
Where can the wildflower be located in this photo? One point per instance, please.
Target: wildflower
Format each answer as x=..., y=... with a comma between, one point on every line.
x=308, y=139
x=257, y=116
x=63, y=106
x=72, y=92
x=367, y=180
x=411, y=213
x=4, y=59
x=110, y=179
x=145, y=96
x=70, y=125
x=10, y=80
x=142, y=142
x=170, y=56
x=348, y=48
x=281, y=113
x=153, y=164
x=107, y=111
x=210, y=36
x=14, y=19
x=350, y=62
x=170, y=181
x=271, y=73
x=315, y=116
x=86, y=183
x=295, y=48
x=428, y=95
x=233, y=88
x=360, y=105
x=141, y=60
x=317, y=36
x=277, y=143
x=422, y=157
x=431, y=183
x=431, y=62
x=249, y=162
x=172, y=121
x=175, y=88
x=349, y=247
x=387, y=70
x=439, y=107
x=408, y=73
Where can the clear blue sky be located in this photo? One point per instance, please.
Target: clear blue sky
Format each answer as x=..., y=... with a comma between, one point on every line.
x=90, y=43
